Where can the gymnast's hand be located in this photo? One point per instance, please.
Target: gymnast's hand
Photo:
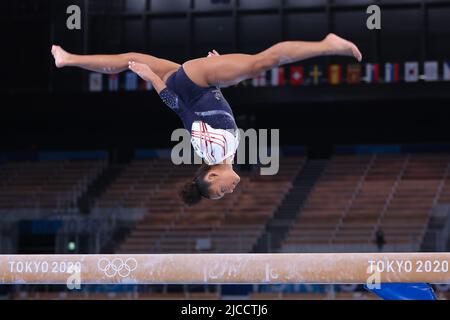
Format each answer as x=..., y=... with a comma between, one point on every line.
x=213, y=53
x=146, y=73
x=142, y=70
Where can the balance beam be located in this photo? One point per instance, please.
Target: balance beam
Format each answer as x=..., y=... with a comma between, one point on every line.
x=311, y=268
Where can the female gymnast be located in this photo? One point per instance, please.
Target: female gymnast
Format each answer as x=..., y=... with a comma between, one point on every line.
x=192, y=90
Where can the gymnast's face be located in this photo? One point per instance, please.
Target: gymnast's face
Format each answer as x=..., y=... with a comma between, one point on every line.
x=222, y=179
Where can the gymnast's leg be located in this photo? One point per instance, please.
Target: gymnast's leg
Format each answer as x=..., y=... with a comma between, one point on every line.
x=230, y=69
x=111, y=64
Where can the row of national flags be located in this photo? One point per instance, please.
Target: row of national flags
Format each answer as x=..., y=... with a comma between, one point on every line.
x=128, y=81
x=297, y=75
x=336, y=74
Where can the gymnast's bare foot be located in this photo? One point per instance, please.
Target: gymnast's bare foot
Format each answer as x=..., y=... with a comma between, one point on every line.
x=342, y=47
x=61, y=56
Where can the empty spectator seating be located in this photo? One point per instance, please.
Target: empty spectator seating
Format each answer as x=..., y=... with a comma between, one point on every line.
x=360, y=194
x=45, y=184
x=232, y=224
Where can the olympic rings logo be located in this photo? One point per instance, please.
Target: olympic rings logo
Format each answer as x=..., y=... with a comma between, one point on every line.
x=117, y=267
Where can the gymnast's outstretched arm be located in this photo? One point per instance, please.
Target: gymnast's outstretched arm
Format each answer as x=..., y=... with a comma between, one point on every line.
x=146, y=73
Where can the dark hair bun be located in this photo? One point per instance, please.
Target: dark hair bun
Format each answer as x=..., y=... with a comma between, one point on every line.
x=190, y=194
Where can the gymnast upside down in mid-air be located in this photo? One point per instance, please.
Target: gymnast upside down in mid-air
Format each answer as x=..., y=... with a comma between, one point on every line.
x=192, y=91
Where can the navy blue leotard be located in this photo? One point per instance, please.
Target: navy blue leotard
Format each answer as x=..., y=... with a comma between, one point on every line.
x=194, y=103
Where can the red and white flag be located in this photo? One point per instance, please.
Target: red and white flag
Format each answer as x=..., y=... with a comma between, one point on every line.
x=297, y=75
x=278, y=77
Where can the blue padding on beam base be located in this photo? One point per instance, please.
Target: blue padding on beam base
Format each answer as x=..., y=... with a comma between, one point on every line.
x=404, y=291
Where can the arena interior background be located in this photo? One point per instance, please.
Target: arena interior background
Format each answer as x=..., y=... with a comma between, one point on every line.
x=365, y=160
